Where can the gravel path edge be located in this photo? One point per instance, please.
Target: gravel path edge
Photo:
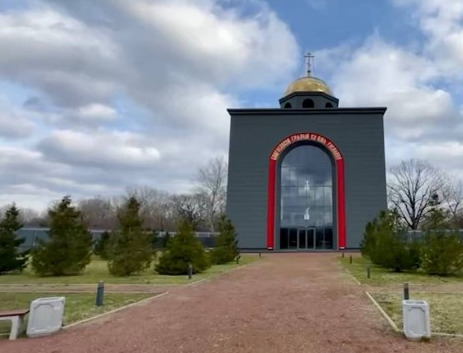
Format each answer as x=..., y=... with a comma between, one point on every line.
x=383, y=312
x=99, y=316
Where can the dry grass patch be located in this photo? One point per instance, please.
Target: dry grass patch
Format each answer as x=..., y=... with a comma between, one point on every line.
x=98, y=270
x=446, y=310
x=78, y=306
x=383, y=277
x=441, y=293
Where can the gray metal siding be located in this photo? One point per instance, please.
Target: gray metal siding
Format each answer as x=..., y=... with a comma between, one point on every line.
x=359, y=137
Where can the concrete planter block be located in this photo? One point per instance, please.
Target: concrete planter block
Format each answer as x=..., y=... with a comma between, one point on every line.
x=416, y=319
x=46, y=316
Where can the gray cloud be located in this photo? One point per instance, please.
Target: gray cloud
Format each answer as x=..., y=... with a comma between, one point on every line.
x=132, y=92
x=13, y=125
x=15, y=122
x=58, y=55
x=103, y=150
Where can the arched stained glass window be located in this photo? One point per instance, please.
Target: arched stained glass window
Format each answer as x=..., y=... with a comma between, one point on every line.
x=306, y=199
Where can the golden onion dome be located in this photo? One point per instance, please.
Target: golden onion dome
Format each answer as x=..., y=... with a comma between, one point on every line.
x=308, y=84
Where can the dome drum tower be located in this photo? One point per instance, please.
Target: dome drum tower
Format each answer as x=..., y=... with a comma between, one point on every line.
x=296, y=95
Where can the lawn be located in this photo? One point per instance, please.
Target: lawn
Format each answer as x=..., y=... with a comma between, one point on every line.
x=77, y=306
x=82, y=305
x=446, y=310
x=381, y=276
x=443, y=294
x=97, y=270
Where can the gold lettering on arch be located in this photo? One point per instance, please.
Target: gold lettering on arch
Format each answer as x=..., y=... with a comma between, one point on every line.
x=305, y=137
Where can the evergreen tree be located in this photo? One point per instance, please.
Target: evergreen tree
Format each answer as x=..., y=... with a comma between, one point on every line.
x=10, y=258
x=130, y=248
x=183, y=249
x=226, y=244
x=69, y=247
x=442, y=251
x=386, y=243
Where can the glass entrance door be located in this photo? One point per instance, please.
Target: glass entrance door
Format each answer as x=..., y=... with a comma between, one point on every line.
x=298, y=238
x=306, y=239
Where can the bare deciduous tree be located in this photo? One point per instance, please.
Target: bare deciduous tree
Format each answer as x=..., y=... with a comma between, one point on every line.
x=32, y=218
x=414, y=187
x=155, y=206
x=212, y=181
x=453, y=198
x=98, y=212
x=190, y=207
x=28, y=216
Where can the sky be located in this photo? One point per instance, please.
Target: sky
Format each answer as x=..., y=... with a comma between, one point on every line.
x=98, y=96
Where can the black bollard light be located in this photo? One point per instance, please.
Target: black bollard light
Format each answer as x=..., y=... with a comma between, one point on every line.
x=190, y=271
x=406, y=292
x=368, y=271
x=99, y=293
x=238, y=259
x=350, y=259
x=343, y=254
x=260, y=255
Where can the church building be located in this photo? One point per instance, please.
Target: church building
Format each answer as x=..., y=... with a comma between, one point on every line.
x=308, y=175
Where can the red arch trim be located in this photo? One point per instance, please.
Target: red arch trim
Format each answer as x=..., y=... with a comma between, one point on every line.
x=340, y=187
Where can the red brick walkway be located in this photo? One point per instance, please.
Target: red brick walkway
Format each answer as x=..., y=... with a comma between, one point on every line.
x=284, y=303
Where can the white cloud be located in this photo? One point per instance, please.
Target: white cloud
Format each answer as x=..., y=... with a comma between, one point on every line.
x=15, y=121
x=218, y=44
x=136, y=91
x=29, y=196
x=132, y=92
x=378, y=69
x=15, y=124
x=442, y=23
x=379, y=73
x=451, y=150
x=101, y=149
x=94, y=114
x=58, y=55
x=98, y=111
x=423, y=119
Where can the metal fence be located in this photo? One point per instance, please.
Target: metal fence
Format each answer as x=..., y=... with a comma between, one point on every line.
x=419, y=235
x=32, y=237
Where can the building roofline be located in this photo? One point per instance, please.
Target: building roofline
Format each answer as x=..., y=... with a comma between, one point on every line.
x=308, y=94
x=332, y=111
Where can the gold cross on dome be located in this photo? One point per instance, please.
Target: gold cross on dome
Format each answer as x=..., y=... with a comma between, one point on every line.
x=308, y=58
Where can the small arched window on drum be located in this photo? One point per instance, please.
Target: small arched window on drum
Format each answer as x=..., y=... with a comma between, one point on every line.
x=308, y=103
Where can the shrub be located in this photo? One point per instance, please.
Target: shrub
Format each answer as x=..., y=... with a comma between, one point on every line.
x=386, y=243
x=183, y=249
x=442, y=252
x=69, y=247
x=10, y=258
x=130, y=248
x=166, y=240
x=102, y=245
x=226, y=244
x=154, y=239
